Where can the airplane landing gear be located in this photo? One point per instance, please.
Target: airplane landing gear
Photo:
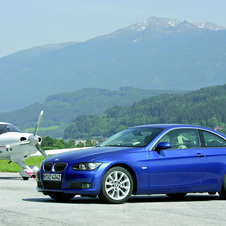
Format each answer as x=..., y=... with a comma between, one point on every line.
x=29, y=172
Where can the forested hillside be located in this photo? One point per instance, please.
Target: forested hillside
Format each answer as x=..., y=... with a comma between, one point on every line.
x=205, y=107
x=61, y=109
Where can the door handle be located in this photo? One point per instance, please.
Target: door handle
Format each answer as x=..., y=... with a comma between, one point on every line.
x=200, y=155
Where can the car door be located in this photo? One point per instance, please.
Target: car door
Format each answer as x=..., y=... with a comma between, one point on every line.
x=184, y=164
x=215, y=152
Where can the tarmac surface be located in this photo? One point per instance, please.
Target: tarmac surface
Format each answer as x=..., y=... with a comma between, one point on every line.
x=21, y=204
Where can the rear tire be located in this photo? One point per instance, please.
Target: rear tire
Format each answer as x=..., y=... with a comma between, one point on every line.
x=61, y=197
x=117, y=186
x=223, y=190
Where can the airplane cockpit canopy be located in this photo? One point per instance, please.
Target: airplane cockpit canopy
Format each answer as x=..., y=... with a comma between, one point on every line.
x=7, y=128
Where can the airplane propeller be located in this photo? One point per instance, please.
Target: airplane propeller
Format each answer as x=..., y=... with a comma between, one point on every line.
x=41, y=150
x=38, y=123
x=32, y=139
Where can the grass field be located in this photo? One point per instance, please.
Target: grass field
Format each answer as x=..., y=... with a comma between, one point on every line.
x=31, y=130
x=13, y=167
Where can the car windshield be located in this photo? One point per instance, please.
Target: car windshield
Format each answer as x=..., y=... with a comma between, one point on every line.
x=7, y=128
x=133, y=137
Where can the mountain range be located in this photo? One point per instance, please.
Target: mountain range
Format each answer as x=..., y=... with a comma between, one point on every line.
x=158, y=53
x=61, y=109
x=205, y=107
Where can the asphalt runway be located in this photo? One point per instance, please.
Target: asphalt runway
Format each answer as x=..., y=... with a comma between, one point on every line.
x=21, y=204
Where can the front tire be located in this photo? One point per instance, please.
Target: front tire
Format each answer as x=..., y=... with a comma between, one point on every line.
x=61, y=197
x=117, y=186
x=223, y=190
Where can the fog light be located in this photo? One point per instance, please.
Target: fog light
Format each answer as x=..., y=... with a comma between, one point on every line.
x=86, y=185
x=74, y=185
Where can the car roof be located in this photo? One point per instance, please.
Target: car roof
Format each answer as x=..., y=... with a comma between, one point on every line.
x=167, y=126
x=173, y=126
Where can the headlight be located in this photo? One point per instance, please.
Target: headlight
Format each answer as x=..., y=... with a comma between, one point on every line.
x=86, y=166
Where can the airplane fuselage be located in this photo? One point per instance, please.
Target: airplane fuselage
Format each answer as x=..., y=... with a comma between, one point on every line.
x=12, y=146
x=16, y=146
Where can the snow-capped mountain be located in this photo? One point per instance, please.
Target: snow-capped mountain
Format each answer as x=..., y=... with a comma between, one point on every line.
x=157, y=26
x=166, y=23
x=158, y=53
x=155, y=22
x=210, y=26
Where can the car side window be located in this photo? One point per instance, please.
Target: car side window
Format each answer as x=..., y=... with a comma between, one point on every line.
x=182, y=138
x=212, y=140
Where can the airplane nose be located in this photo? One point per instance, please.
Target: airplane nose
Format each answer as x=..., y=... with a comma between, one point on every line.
x=33, y=140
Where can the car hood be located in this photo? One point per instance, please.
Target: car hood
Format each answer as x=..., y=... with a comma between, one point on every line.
x=89, y=154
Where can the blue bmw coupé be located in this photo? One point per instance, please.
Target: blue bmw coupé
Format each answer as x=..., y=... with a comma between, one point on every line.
x=150, y=159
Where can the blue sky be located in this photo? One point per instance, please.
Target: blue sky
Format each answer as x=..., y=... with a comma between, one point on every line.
x=28, y=23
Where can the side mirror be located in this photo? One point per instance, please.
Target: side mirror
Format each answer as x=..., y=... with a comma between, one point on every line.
x=163, y=146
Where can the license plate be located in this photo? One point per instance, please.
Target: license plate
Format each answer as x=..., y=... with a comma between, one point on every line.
x=52, y=177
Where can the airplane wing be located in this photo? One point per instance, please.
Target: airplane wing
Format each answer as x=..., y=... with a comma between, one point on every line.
x=57, y=151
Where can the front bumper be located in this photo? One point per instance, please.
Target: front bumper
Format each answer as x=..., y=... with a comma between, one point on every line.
x=72, y=181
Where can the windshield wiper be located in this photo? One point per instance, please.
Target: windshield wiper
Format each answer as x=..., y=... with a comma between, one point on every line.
x=114, y=145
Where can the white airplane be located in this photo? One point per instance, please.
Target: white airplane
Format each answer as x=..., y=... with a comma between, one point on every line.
x=16, y=146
